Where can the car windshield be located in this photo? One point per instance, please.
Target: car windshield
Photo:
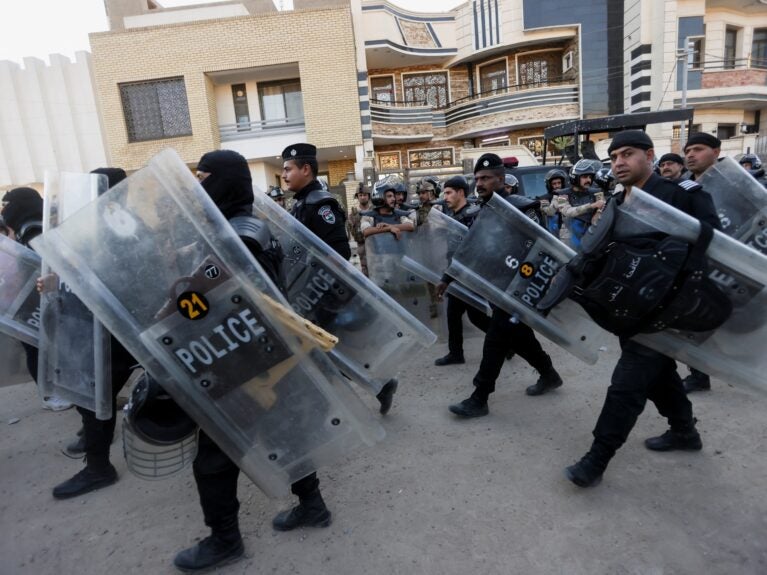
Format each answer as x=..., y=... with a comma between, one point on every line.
x=533, y=183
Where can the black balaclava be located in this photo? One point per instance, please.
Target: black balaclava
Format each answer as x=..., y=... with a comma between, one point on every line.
x=114, y=175
x=24, y=205
x=229, y=184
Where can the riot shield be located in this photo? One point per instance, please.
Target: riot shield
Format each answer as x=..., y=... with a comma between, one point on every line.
x=74, y=358
x=159, y=265
x=735, y=351
x=740, y=200
x=376, y=336
x=13, y=362
x=19, y=301
x=510, y=260
x=427, y=255
x=384, y=257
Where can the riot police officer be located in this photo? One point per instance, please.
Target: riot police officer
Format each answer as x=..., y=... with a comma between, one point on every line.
x=642, y=373
x=504, y=334
x=578, y=203
x=753, y=165
x=510, y=184
x=671, y=166
x=277, y=195
x=458, y=208
x=385, y=217
x=429, y=190
x=555, y=181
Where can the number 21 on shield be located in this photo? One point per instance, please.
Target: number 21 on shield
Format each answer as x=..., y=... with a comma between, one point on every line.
x=192, y=305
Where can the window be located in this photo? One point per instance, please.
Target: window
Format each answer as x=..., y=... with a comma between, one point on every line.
x=677, y=131
x=241, y=112
x=568, y=61
x=730, y=47
x=382, y=89
x=759, y=48
x=726, y=131
x=389, y=161
x=492, y=77
x=429, y=89
x=535, y=145
x=534, y=72
x=156, y=109
x=281, y=103
x=430, y=158
x=695, y=48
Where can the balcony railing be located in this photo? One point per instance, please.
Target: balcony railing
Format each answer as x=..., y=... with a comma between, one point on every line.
x=398, y=103
x=261, y=128
x=728, y=64
x=513, y=88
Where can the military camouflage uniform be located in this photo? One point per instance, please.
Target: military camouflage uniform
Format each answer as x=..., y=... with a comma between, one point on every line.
x=353, y=223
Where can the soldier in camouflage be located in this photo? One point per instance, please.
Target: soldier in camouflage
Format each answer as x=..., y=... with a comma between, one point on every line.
x=353, y=224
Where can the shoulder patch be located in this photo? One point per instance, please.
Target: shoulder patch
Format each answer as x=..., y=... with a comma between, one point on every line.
x=326, y=213
x=689, y=185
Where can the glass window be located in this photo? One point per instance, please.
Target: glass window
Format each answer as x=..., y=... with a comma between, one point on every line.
x=677, y=131
x=389, y=161
x=492, y=77
x=241, y=112
x=726, y=131
x=281, y=103
x=695, y=55
x=430, y=158
x=759, y=48
x=156, y=109
x=382, y=89
x=730, y=47
x=534, y=72
x=429, y=89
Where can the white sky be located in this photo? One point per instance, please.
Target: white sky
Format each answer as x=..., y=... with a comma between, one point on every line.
x=37, y=28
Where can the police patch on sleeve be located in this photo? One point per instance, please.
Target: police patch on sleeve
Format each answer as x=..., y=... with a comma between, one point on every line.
x=326, y=213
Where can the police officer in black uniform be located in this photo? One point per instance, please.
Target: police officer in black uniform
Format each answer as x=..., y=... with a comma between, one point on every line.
x=642, y=373
x=226, y=177
x=458, y=208
x=503, y=334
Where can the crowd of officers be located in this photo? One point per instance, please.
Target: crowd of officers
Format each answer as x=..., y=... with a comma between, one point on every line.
x=572, y=200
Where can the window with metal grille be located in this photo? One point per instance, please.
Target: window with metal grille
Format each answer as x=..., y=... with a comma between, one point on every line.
x=430, y=87
x=534, y=72
x=156, y=109
x=430, y=158
x=493, y=77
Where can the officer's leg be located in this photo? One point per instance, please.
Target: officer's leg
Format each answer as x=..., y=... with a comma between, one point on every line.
x=480, y=319
x=311, y=510
x=524, y=343
x=697, y=381
x=455, y=309
x=216, y=477
x=668, y=395
x=636, y=369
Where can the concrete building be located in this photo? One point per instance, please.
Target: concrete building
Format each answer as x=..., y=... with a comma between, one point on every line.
x=48, y=119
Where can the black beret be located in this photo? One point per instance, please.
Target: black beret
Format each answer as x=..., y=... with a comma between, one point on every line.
x=300, y=152
x=705, y=139
x=457, y=183
x=671, y=157
x=488, y=162
x=632, y=138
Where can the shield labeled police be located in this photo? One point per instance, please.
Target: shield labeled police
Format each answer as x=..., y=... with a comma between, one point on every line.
x=740, y=201
x=510, y=260
x=430, y=250
x=376, y=335
x=735, y=350
x=160, y=266
x=73, y=360
x=384, y=257
x=19, y=300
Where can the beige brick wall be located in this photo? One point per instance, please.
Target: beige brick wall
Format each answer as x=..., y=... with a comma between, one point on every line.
x=337, y=170
x=326, y=63
x=727, y=79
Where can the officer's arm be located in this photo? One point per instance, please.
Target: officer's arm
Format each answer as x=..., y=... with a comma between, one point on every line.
x=704, y=209
x=570, y=212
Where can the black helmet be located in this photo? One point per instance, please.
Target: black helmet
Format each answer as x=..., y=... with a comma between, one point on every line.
x=511, y=181
x=553, y=175
x=275, y=192
x=584, y=167
x=378, y=197
x=432, y=183
x=605, y=179
x=361, y=189
x=400, y=188
x=159, y=438
x=757, y=170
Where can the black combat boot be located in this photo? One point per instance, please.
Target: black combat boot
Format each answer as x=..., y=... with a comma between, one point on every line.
x=386, y=395
x=89, y=479
x=696, y=381
x=548, y=380
x=589, y=470
x=682, y=439
x=449, y=359
x=76, y=448
x=310, y=512
x=213, y=551
x=473, y=406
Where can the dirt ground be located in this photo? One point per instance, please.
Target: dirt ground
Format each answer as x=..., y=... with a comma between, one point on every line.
x=439, y=496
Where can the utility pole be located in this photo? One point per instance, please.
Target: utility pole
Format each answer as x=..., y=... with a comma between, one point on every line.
x=683, y=54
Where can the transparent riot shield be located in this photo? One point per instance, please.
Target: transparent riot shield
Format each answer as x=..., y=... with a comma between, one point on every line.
x=19, y=300
x=13, y=362
x=428, y=255
x=376, y=336
x=159, y=265
x=741, y=202
x=735, y=351
x=384, y=257
x=510, y=260
x=73, y=361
